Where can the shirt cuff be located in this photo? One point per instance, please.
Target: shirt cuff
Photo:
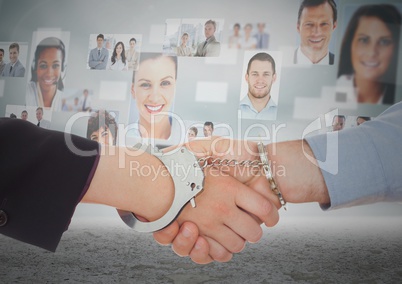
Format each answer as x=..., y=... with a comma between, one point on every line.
x=349, y=163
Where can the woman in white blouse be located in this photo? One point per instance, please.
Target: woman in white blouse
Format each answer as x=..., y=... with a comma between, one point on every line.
x=118, y=60
x=369, y=54
x=132, y=55
x=183, y=49
x=248, y=41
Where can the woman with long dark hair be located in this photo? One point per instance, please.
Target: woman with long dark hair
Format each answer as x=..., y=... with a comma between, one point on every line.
x=369, y=53
x=118, y=59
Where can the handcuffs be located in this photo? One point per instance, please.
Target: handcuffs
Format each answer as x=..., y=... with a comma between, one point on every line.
x=187, y=187
x=187, y=184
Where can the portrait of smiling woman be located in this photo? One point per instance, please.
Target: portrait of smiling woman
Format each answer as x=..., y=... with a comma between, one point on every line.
x=102, y=128
x=46, y=85
x=183, y=49
x=153, y=90
x=369, y=54
x=118, y=60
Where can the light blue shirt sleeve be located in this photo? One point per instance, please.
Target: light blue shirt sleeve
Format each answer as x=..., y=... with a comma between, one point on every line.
x=369, y=164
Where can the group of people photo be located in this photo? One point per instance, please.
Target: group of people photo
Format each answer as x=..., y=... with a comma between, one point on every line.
x=193, y=37
x=368, y=53
x=340, y=121
x=115, y=52
x=251, y=36
x=40, y=118
x=367, y=64
x=368, y=58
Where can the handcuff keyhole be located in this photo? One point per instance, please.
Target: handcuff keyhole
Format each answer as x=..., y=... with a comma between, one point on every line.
x=192, y=185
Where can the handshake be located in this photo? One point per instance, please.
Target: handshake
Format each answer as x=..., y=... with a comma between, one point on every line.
x=237, y=200
x=236, y=197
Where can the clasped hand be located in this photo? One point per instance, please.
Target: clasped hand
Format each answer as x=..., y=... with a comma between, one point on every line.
x=233, y=204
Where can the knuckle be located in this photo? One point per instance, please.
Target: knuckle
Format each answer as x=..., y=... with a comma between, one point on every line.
x=222, y=209
x=265, y=208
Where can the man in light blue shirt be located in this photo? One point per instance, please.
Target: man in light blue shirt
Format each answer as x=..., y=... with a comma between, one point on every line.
x=355, y=166
x=260, y=77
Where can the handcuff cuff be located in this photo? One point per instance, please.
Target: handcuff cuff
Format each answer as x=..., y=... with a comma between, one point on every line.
x=188, y=187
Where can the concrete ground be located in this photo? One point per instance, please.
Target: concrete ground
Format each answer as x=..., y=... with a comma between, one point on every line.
x=297, y=250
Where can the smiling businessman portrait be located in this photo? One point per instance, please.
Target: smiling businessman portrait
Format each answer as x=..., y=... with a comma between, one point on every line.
x=317, y=20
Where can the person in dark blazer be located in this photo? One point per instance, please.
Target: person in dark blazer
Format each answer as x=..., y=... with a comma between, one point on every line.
x=98, y=57
x=14, y=68
x=44, y=174
x=38, y=192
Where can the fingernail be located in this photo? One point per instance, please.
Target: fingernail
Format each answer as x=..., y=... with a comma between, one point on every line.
x=186, y=232
x=197, y=246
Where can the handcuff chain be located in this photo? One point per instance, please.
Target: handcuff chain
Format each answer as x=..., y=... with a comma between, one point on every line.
x=209, y=161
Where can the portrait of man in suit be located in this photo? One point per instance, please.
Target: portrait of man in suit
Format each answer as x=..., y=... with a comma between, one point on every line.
x=14, y=68
x=262, y=37
x=209, y=47
x=41, y=122
x=85, y=101
x=317, y=20
x=98, y=57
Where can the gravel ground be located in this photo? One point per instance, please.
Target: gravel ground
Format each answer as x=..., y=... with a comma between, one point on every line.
x=297, y=250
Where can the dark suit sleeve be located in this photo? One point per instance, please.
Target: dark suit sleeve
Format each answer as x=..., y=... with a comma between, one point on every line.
x=41, y=180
